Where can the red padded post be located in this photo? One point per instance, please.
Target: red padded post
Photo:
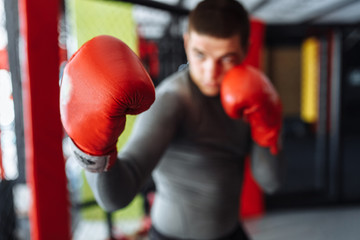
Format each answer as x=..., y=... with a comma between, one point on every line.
x=252, y=197
x=45, y=166
x=4, y=61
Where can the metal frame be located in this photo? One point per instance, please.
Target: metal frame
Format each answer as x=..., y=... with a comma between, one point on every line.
x=12, y=28
x=335, y=167
x=157, y=5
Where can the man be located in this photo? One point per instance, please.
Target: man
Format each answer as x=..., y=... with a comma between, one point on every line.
x=186, y=140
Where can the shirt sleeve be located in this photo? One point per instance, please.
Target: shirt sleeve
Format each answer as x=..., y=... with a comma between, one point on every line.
x=267, y=169
x=151, y=134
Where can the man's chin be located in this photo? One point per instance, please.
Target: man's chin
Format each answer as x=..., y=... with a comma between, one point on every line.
x=211, y=92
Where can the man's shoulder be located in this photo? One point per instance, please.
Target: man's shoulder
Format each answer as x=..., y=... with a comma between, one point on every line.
x=172, y=94
x=178, y=82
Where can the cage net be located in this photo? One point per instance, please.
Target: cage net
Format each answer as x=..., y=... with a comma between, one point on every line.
x=155, y=35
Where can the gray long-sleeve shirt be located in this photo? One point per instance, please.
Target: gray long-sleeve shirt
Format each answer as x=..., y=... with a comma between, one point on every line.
x=196, y=154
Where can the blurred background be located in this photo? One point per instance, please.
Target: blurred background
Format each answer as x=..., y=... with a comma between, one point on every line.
x=309, y=50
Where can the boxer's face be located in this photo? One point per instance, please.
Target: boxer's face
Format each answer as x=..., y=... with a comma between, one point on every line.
x=210, y=58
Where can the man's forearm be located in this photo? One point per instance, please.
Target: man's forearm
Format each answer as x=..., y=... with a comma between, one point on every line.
x=268, y=169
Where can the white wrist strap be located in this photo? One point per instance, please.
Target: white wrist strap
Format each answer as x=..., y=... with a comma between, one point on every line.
x=89, y=162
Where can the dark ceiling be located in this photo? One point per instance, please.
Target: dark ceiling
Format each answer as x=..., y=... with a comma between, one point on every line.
x=153, y=19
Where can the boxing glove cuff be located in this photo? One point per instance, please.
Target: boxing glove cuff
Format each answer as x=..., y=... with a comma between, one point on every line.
x=92, y=163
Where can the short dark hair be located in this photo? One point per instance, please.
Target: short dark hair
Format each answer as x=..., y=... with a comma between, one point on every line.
x=222, y=19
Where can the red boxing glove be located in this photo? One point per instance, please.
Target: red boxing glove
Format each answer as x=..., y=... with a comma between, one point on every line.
x=246, y=92
x=102, y=82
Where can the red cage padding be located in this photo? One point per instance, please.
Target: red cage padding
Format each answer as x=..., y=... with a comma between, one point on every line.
x=45, y=165
x=252, y=198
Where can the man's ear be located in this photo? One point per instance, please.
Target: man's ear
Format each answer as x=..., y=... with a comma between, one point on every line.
x=186, y=39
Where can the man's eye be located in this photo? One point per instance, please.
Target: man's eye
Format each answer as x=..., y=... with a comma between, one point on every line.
x=199, y=55
x=229, y=59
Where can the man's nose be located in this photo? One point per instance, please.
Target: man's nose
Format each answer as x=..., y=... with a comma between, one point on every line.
x=212, y=70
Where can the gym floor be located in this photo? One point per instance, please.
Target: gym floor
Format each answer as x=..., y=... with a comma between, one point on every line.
x=312, y=224
x=330, y=223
